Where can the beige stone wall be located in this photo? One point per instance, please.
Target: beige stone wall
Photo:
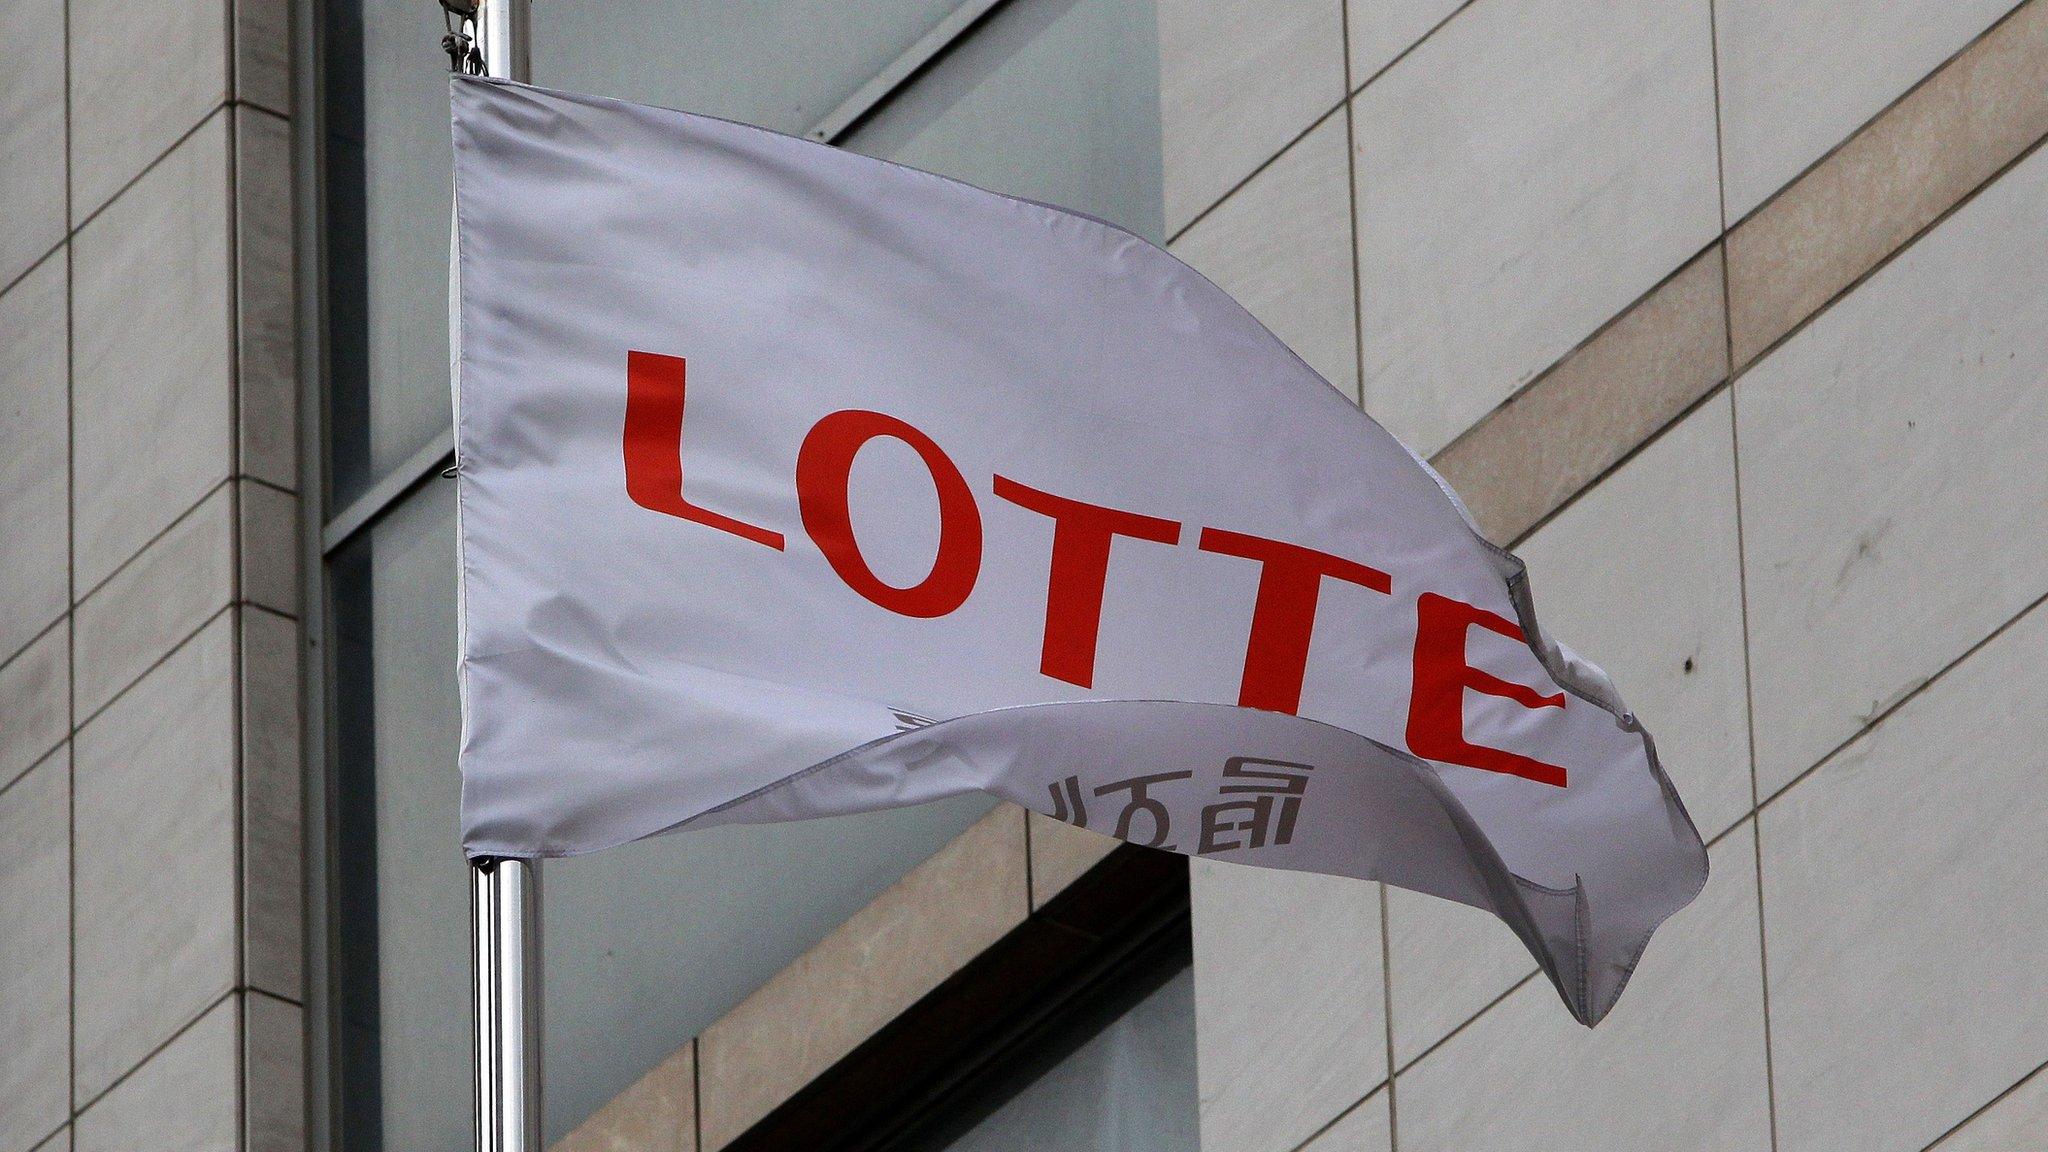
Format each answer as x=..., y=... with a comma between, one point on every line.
x=150, y=982
x=1534, y=237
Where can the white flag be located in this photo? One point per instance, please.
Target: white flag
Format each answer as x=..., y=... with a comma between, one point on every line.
x=793, y=482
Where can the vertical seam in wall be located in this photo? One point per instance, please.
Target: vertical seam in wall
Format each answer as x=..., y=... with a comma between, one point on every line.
x=238, y=672
x=70, y=617
x=1756, y=828
x=1030, y=896
x=1358, y=397
x=1351, y=221
x=696, y=1095
x=1387, y=1011
x=231, y=16
x=241, y=1089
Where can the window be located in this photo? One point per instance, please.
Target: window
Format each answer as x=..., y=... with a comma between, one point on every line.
x=647, y=944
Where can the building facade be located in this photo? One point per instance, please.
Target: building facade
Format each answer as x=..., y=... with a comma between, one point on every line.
x=1727, y=315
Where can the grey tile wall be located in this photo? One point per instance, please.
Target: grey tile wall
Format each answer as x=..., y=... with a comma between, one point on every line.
x=267, y=405
x=35, y=701
x=1891, y=474
x=148, y=726
x=1290, y=1022
x=273, y=1074
x=152, y=332
x=1238, y=79
x=155, y=885
x=156, y=600
x=181, y=1100
x=1521, y=180
x=31, y=134
x=34, y=453
x=273, y=881
x=35, y=953
x=1905, y=912
x=124, y=112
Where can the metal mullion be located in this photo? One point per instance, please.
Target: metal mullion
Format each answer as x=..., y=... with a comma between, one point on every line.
x=434, y=458
x=841, y=121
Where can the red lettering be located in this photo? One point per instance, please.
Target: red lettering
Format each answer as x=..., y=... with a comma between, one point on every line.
x=1284, y=616
x=1081, y=536
x=823, y=465
x=654, y=446
x=1436, y=708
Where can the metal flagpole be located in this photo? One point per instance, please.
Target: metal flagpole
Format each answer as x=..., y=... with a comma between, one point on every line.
x=504, y=893
x=504, y=902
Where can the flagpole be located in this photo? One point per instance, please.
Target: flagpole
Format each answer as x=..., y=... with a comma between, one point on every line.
x=505, y=957
x=504, y=893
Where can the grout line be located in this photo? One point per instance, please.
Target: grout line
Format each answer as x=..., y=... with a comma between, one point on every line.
x=260, y=482
x=238, y=638
x=7, y=786
x=146, y=545
x=696, y=1095
x=1404, y=53
x=241, y=1085
x=38, y=262
x=1349, y=92
x=1351, y=222
x=1387, y=1013
x=1358, y=395
x=1987, y=1106
x=70, y=608
x=267, y=110
x=153, y=1053
x=231, y=18
x=1889, y=710
x=159, y=662
x=1248, y=177
x=267, y=994
x=32, y=641
x=1346, y=1111
x=1470, y=1020
x=1030, y=895
x=132, y=181
x=267, y=610
x=1756, y=838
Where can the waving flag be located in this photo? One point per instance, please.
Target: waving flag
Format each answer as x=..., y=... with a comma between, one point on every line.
x=794, y=482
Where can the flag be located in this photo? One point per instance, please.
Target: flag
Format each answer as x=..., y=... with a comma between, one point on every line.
x=792, y=482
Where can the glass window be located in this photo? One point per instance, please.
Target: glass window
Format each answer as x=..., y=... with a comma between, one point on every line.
x=1119, y=1077
x=647, y=944
x=1049, y=100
